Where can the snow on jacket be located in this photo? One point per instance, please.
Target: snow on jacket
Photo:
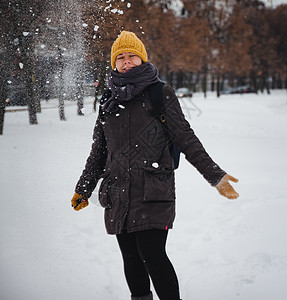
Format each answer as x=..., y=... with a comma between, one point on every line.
x=131, y=154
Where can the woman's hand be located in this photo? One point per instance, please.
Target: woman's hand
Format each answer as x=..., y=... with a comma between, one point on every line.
x=79, y=202
x=225, y=188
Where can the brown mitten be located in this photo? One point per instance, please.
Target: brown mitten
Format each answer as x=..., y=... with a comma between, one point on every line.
x=225, y=188
x=79, y=202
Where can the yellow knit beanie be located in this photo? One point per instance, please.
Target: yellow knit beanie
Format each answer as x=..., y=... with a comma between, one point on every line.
x=128, y=42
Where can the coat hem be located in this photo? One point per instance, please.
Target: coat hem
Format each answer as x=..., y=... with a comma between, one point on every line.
x=140, y=228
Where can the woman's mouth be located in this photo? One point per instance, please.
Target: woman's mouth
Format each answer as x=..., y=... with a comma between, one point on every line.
x=126, y=69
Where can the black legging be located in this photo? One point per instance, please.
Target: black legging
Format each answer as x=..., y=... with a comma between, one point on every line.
x=144, y=254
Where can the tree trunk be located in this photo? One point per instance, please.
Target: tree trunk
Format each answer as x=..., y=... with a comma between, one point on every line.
x=266, y=80
x=222, y=84
x=204, y=81
x=196, y=82
x=61, y=89
x=27, y=58
x=212, y=84
x=31, y=104
x=262, y=83
x=3, y=95
x=204, y=85
x=80, y=96
x=61, y=98
x=36, y=95
x=190, y=81
x=253, y=79
x=218, y=86
x=2, y=110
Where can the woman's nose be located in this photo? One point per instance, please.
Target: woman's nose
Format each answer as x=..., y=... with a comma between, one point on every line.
x=127, y=60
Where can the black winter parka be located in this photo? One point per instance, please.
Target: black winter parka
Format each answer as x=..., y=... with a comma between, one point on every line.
x=130, y=153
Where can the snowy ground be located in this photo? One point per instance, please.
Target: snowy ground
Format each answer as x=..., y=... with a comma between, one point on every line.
x=221, y=249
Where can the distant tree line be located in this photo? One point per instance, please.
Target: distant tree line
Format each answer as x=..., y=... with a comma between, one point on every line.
x=52, y=46
x=233, y=42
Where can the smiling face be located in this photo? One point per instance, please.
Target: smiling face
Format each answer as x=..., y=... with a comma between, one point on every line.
x=126, y=61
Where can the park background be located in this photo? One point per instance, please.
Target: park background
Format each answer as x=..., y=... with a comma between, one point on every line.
x=221, y=249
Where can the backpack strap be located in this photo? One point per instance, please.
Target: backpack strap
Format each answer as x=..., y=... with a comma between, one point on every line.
x=155, y=95
x=157, y=101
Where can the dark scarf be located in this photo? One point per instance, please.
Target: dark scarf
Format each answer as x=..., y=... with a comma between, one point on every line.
x=125, y=87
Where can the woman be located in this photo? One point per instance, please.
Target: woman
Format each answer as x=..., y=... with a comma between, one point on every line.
x=131, y=152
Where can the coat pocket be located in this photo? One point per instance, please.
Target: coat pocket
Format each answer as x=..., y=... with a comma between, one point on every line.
x=159, y=185
x=104, y=195
x=108, y=192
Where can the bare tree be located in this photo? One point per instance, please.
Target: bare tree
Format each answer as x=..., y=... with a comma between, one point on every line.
x=4, y=59
x=19, y=26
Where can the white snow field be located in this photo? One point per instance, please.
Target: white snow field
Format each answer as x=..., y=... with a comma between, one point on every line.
x=221, y=249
